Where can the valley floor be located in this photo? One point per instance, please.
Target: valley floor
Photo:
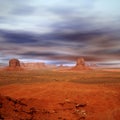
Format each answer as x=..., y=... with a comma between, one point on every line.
x=60, y=100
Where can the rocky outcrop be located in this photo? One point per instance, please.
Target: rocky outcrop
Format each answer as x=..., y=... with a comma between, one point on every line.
x=80, y=62
x=14, y=65
x=31, y=109
x=14, y=109
x=32, y=66
x=80, y=65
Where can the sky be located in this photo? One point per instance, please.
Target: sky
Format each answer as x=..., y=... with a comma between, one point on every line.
x=60, y=31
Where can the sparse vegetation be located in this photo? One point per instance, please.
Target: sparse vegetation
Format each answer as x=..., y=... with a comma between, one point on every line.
x=88, y=77
x=53, y=95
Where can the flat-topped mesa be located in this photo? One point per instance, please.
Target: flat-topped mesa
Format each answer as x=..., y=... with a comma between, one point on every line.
x=80, y=65
x=32, y=66
x=14, y=64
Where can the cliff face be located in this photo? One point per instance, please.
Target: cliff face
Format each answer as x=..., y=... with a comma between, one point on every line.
x=14, y=65
x=38, y=65
x=80, y=65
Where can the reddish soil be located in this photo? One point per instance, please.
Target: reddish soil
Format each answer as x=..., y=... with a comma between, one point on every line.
x=60, y=101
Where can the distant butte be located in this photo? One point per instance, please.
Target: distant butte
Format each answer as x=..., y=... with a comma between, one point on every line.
x=32, y=66
x=14, y=65
x=80, y=65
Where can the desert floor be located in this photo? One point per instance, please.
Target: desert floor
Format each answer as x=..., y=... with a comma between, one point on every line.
x=60, y=95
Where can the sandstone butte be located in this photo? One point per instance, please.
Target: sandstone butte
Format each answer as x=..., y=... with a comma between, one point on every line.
x=14, y=65
x=80, y=65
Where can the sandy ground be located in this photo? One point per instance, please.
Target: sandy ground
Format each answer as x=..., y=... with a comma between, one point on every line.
x=65, y=101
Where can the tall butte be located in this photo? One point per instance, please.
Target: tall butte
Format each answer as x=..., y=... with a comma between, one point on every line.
x=14, y=64
x=80, y=65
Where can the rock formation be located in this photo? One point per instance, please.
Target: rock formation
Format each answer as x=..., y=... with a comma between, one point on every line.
x=80, y=62
x=15, y=109
x=32, y=66
x=80, y=65
x=14, y=64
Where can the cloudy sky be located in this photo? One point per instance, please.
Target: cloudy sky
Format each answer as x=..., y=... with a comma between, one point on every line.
x=60, y=31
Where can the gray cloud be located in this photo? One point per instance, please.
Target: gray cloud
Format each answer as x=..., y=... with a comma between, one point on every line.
x=59, y=31
x=23, y=10
x=93, y=46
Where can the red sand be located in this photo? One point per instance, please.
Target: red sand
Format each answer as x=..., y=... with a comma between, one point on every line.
x=65, y=101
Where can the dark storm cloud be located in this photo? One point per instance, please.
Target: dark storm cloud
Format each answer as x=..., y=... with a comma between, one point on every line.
x=43, y=54
x=33, y=39
x=93, y=45
x=73, y=36
x=17, y=37
x=71, y=40
x=108, y=52
x=80, y=36
x=60, y=30
x=109, y=64
x=60, y=57
x=50, y=39
x=74, y=57
x=62, y=62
